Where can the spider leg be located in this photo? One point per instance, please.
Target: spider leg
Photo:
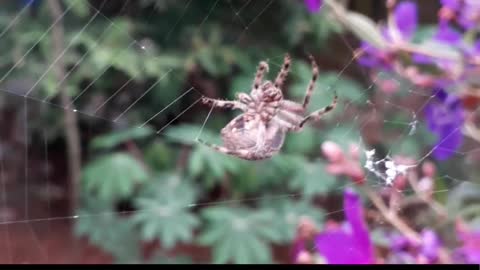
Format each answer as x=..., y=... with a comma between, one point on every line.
x=245, y=154
x=311, y=85
x=227, y=104
x=282, y=75
x=316, y=115
x=262, y=68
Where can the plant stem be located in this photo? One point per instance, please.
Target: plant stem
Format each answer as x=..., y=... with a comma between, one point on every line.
x=398, y=223
x=70, y=118
x=441, y=211
x=391, y=216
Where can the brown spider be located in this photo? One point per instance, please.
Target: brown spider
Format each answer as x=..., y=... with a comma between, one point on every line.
x=259, y=132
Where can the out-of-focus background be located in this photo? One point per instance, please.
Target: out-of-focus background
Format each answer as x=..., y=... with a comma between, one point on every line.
x=99, y=109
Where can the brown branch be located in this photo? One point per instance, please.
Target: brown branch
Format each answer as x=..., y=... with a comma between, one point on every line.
x=70, y=119
x=437, y=207
x=398, y=223
x=391, y=216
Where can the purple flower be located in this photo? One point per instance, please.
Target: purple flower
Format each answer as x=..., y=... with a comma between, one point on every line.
x=445, y=117
x=469, y=16
x=405, y=15
x=470, y=250
x=313, y=6
x=447, y=35
x=405, y=251
x=349, y=245
x=374, y=58
x=430, y=245
x=451, y=4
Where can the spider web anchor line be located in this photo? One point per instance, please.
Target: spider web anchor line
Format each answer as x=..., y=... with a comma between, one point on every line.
x=180, y=114
x=166, y=107
x=205, y=121
x=144, y=93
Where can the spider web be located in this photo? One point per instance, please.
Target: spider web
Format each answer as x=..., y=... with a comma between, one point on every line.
x=31, y=101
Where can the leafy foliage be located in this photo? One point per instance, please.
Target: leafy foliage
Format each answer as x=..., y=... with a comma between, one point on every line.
x=313, y=180
x=114, y=176
x=239, y=235
x=288, y=214
x=113, y=139
x=163, y=210
x=104, y=230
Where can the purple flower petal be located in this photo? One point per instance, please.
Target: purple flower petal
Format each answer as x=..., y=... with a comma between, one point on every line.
x=339, y=247
x=469, y=16
x=445, y=117
x=471, y=247
x=406, y=18
x=373, y=58
x=451, y=4
x=451, y=139
x=348, y=246
x=313, y=6
x=423, y=59
x=354, y=213
x=430, y=245
x=399, y=242
x=447, y=35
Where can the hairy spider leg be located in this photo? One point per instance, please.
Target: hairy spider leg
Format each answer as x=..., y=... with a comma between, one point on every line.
x=316, y=115
x=311, y=84
x=262, y=68
x=226, y=104
x=282, y=75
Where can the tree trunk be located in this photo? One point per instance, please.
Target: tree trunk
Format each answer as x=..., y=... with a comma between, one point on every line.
x=70, y=117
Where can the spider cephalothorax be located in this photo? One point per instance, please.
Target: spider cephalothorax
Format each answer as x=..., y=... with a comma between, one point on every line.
x=260, y=131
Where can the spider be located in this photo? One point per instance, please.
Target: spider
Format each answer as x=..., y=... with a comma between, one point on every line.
x=259, y=132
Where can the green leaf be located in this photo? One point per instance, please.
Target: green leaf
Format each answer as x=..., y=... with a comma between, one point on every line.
x=111, y=233
x=163, y=211
x=345, y=87
x=241, y=83
x=365, y=29
x=206, y=161
x=343, y=135
x=212, y=61
x=302, y=143
x=113, y=176
x=362, y=26
x=80, y=8
x=159, y=156
x=312, y=179
x=464, y=194
x=407, y=147
x=288, y=214
x=115, y=138
x=238, y=235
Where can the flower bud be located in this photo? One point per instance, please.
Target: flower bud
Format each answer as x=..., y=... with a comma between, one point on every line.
x=306, y=228
x=304, y=257
x=400, y=182
x=446, y=14
x=332, y=151
x=428, y=169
